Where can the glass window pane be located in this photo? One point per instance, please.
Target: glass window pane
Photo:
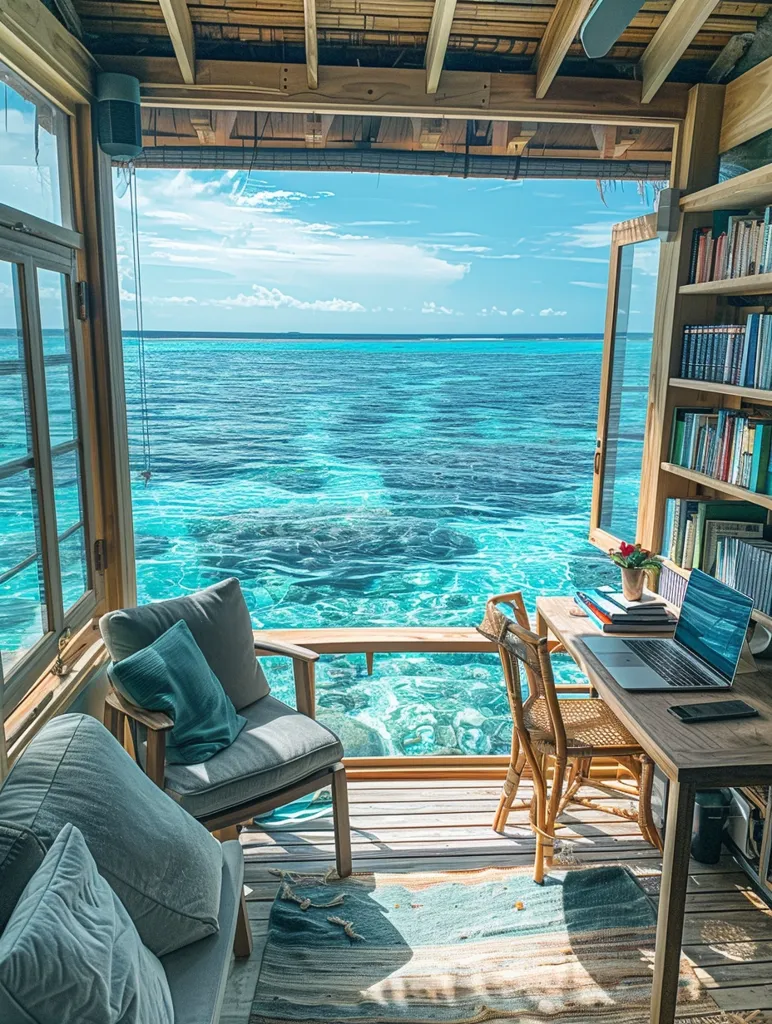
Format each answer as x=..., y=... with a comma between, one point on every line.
x=19, y=527
x=23, y=619
x=57, y=355
x=74, y=568
x=67, y=491
x=629, y=389
x=15, y=437
x=34, y=150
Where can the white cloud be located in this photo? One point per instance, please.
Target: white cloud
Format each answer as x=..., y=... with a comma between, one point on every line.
x=589, y=284
x=434, y=309
x=275, y=299
x=518, y=311
x=380, y=223
x=493, y=311
x=590, y=236
x=504, y=256
x=553, y=312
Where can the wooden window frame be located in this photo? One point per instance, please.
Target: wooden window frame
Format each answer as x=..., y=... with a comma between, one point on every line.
x=630, y=232
x=30, y=253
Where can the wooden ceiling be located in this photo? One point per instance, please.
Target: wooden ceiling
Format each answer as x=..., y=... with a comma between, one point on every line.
x=484, y=35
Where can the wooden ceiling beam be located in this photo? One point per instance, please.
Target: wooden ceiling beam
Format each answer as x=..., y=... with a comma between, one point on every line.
x=747, y=106
x=437, y=42
x=312, y=44
x=561, y=31
x=37, y=46
x=180, y=28
x=399, y=92
x=671, y=40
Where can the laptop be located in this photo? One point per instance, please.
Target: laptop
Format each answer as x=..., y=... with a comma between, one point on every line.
x=702, y=655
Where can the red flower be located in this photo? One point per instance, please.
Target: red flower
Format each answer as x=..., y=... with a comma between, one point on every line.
x=626, y=549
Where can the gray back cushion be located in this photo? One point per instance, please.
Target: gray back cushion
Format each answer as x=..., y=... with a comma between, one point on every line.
x=219, y=620
x=21, y=854
x=163, y=865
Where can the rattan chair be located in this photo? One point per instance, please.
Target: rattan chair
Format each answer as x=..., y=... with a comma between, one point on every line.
x=566, y=734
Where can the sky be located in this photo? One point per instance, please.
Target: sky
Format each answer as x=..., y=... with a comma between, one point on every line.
x=348, y=253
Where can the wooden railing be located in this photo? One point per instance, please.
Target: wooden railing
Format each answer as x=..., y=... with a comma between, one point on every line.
x=305, y=646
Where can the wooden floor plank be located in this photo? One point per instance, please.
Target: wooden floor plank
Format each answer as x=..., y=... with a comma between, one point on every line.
x=446, y=825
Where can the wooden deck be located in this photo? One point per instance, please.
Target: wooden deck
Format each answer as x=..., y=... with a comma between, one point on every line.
x=446, y=825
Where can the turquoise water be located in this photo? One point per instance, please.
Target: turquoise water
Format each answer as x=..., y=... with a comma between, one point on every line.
x=355, y=483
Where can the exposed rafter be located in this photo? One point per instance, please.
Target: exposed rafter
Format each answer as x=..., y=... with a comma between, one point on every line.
x=684, y=20
x=180, y=27
x=561, y=31
x=312, y=44
x=437, y=41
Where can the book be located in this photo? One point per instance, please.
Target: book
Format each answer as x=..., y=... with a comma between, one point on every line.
x=717, y=528
x=629, y=625
x=720, y=443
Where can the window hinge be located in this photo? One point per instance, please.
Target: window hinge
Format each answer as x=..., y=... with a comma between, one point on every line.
x=100, y=555
x=81, y=288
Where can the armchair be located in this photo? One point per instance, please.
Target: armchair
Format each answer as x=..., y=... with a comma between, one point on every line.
x=280, y=755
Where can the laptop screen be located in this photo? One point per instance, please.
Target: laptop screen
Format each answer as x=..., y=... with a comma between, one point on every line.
x=713, y=622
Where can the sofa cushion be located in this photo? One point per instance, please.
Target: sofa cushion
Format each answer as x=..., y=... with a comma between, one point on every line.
x=219, y=620
x=71, y=952
x=21, y=854
x=164, y=867
x=277, y=747
x=172, y=675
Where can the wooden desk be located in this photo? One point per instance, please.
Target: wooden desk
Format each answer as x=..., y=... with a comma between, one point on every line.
x=734, y=753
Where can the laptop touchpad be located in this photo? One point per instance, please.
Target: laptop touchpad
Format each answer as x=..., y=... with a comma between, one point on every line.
x=621, y=660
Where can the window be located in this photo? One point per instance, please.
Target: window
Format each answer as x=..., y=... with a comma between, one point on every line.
x=47, y=581
x=625, y=380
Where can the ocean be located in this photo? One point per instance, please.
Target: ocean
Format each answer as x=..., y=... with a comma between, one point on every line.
x=375, y=482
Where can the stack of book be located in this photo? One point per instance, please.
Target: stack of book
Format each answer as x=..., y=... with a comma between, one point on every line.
x=726, y=445
x=737, y=245
x=730, y=354
x=694, y=527
x=746, y=565
x=613, y=613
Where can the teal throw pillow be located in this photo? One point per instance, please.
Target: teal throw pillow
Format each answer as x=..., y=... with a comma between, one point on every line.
x=172, y=675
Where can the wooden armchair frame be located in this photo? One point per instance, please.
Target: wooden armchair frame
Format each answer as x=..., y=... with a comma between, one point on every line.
x=118, y=710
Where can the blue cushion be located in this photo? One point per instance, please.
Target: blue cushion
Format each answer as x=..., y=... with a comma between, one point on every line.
x=70, y=951
x=21, y=854
x=172, y=675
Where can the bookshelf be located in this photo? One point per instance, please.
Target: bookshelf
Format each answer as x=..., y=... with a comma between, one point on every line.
x=764, y=619
x=720, y=486
x=755, y=284
x=717, y=388
x=754, y=188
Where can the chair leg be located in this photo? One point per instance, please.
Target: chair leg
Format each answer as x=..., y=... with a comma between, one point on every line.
x=511, y=784
x=341, y=822
x=242, y=940
x=558, y=775
x=645, y=817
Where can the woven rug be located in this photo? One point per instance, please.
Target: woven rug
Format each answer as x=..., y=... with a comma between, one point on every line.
x=458, y=947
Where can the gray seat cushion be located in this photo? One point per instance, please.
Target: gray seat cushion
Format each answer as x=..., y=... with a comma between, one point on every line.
x=219, y=620
x=164, y=867
x=198, y=973
x=278, y=746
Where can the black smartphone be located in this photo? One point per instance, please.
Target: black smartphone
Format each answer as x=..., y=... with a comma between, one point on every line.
x=714, y=711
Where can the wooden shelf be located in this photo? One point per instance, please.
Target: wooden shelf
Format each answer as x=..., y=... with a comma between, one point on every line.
x=755, y=284
x=765, y=500
x=754, y=188
x=717, y=388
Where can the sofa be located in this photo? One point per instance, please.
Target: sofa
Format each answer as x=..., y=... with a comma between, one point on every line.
x=182, y=889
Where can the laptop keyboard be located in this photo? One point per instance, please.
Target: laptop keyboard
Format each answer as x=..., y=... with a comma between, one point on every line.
x=674, y=668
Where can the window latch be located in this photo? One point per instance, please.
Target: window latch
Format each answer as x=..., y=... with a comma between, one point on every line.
x=60, y=669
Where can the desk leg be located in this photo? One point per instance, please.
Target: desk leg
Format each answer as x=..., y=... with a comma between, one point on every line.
x=672, y=900
x=541, y=624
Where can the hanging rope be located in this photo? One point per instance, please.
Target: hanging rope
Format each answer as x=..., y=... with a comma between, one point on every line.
x=144, y=417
